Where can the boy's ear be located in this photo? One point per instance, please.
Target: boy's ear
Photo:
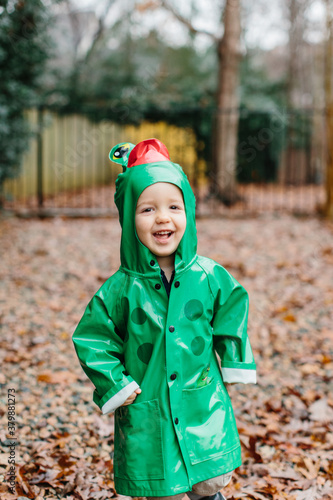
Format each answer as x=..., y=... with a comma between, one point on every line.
x=120, y=153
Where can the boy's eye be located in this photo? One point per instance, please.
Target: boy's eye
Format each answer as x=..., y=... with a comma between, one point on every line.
x=147, y=209
x=174, y=206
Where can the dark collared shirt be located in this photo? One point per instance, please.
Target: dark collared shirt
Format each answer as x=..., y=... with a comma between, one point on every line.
x=167, y=283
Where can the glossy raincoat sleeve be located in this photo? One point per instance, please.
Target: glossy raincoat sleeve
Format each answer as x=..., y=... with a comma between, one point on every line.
x=101, y=354
x=230, y=338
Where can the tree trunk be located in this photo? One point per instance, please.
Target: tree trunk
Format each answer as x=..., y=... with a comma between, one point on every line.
x=223, y=180
x=290, y=169
x=328, y=208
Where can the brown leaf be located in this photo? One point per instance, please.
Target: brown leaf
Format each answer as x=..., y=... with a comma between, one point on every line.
x=57, y=377
x=320, y=411
x=287, y=473
x=289, y=317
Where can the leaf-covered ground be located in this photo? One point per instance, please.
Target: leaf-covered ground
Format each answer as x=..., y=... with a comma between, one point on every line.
x=49, y=269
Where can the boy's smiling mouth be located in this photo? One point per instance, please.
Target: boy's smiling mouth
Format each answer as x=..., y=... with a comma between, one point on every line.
x=163, y=236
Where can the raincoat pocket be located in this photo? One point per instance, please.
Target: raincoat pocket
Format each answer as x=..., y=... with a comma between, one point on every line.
x=138, y=448
x=209, y=423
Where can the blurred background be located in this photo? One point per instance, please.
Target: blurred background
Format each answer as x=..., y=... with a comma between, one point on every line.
x=241, y=94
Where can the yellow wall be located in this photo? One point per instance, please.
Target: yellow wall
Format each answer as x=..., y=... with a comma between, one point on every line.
x=75, y=153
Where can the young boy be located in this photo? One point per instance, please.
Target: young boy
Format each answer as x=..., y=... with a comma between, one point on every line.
x=149, y=336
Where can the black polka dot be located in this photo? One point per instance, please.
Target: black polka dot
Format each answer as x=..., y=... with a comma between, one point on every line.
x=138, y=316
x=193, y=309
x=145, y=352
x=198, y=345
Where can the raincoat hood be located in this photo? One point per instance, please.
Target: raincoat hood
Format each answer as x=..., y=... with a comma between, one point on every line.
x=145, y=164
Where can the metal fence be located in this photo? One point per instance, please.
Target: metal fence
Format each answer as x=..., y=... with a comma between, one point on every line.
x=280, y=163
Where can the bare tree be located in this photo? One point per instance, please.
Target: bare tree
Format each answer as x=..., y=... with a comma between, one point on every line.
x=295, y=162
x=78, y=30
x=328, y=207
x=297, y=25
x=223, y=184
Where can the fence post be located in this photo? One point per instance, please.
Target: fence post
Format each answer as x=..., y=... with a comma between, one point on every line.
x=40, y=194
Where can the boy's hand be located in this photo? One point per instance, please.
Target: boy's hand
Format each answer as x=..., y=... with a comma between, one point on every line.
x=132, y=397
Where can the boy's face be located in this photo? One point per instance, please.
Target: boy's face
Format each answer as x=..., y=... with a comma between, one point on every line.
x=160, y=218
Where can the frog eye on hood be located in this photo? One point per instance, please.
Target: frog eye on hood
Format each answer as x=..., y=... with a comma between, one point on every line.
x=148, y=151
x=120, y=153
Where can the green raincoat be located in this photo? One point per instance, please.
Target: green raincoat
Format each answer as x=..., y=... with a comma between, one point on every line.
x=181, y=428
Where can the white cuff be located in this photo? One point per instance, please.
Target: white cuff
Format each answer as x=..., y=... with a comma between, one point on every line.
x=232, y=375
x=119, y=398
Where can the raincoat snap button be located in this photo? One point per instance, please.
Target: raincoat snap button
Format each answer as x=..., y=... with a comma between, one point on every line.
x=177, y=284
x=157, y=286
x=176, y=420
x=152, y=263
x=173, y=376
x=171, y=328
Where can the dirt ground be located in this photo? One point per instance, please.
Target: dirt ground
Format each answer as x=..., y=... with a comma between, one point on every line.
x=50, y=268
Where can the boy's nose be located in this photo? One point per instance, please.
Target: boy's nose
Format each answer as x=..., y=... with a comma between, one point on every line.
x=162, y=217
